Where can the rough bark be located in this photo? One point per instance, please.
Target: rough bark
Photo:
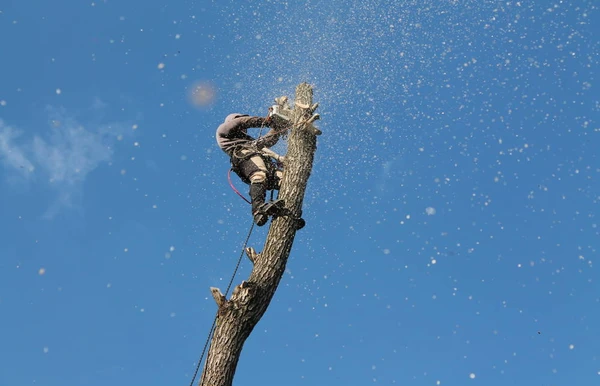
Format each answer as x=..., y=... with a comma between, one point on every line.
x=238, y=315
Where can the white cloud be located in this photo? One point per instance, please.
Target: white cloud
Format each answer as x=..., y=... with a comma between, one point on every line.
x=61, y=159
x=13, y=156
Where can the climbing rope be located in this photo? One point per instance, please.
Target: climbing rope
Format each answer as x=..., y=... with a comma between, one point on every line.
x=212, y=328
x=233, y=187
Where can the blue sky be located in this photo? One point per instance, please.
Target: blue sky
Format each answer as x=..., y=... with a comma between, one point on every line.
x=452, y=227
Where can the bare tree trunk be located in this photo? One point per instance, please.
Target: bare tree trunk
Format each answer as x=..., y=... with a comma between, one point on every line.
x=238, y=316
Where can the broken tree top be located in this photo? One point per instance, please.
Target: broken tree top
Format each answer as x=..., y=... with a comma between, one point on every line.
x=302, y=116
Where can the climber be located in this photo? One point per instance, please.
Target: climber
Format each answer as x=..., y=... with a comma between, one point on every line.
x=251, y=159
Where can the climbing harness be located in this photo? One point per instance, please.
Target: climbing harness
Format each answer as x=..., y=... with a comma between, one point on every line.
x=212, y=328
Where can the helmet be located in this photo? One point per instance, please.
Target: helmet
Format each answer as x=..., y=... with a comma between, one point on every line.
x=233, y=116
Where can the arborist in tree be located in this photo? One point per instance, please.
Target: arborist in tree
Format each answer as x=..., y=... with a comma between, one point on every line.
x=251, y=159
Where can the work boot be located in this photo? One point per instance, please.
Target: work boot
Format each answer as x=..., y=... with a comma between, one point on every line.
x=260, y=218
x=257, y=195
x=274, y=208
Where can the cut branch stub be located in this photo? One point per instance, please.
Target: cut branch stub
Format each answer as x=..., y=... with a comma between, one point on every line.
x=305, y=110
x=218, y=296
x=252, y=255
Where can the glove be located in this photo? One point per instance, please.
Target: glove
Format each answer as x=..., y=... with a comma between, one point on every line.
x=270, y=153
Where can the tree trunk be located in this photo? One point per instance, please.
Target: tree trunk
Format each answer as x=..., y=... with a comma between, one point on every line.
x=238, y=316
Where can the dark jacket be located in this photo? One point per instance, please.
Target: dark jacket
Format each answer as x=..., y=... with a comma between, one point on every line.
x=233, y=133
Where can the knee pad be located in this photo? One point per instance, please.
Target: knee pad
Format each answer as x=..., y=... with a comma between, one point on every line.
x=258, y=177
